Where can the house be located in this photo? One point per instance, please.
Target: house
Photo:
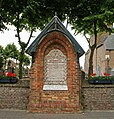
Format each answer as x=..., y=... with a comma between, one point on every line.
x=103, y=60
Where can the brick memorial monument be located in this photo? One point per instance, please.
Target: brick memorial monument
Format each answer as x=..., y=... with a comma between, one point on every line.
x=55, y=72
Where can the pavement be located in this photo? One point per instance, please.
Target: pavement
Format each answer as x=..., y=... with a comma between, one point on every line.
x=17, y=114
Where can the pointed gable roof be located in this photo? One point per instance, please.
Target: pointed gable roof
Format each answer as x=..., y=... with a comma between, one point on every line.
x=55, y=25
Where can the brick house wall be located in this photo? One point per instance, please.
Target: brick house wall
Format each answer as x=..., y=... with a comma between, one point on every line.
x=55, y=101
x=111, y=62
x=100, y=60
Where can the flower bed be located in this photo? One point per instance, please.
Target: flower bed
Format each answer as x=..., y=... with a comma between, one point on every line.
x=8, y=78
x=106, y=79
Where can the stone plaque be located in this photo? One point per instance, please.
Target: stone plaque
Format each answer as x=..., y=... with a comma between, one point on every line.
x=55, y=71
x=55, y=87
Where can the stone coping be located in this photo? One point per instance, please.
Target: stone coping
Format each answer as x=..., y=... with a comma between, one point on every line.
x=24, y=83
x=85, y=84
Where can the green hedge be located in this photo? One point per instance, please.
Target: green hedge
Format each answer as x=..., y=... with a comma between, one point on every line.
x=102, y=78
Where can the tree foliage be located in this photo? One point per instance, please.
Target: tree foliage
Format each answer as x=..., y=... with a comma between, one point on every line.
x=26, y=60
x=91, y=17
x=3, y=17
x=31, y=15
x=1, y=50
x=11, y=51
x=1, y=56
x=83, y=16
x=86, y=16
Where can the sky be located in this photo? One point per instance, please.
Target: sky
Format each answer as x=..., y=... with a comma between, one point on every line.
x=8, y=37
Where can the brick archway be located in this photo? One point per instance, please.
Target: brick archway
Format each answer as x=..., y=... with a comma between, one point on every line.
x=55, y=101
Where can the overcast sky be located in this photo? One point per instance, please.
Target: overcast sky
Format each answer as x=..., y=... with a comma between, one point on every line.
x=8, y=37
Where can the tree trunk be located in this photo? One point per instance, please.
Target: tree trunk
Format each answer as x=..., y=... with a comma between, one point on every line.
x=21, y=63
x=92, y=48
x=90, y=71
x=22, y=45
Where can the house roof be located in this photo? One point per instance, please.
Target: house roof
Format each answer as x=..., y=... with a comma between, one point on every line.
x=55, y=25
x=101, y=42
x=109, y=42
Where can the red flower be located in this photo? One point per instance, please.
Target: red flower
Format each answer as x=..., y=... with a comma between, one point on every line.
x=106, y=74
x=93, y=74
x=11, y=74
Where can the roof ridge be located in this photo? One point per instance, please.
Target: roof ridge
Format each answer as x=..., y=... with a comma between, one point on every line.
x=55, y=24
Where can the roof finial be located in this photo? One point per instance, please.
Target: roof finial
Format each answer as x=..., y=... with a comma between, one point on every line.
x=55, y=20
x=55, y=14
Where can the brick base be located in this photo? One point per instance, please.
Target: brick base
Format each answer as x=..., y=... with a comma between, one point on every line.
x=53, y=102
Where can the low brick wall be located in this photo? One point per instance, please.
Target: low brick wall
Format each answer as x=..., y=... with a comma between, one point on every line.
x=97, y=97
x=14, y=96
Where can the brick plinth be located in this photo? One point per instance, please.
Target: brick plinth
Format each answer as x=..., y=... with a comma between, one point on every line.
x=55, y=101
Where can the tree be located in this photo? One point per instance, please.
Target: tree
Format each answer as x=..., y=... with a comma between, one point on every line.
x=1, y=50
x=26, y=61
x=1, y=56
x=29, y=15
x=1, y=62
x=26, y=64
x=10, y=51
x=2, y=17
x=91, y=17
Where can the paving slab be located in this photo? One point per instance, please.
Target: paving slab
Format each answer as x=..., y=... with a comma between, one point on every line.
x=23, y=114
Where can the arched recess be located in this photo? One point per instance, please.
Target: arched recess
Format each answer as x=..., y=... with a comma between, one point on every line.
x=55, y=40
